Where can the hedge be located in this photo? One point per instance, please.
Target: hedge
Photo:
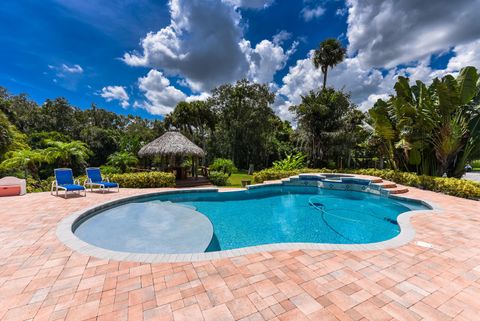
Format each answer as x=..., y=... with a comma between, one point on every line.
x=451, y=186
x=128, y=180
x=144, y=179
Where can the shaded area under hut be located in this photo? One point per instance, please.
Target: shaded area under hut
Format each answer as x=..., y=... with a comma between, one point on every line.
x=173, y=152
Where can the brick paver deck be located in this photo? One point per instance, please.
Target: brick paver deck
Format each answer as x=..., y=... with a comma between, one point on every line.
x=41, y=279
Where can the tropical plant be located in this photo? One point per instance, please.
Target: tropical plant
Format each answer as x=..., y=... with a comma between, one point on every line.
x=25, y=159
x=223, y=165
x=431, y=129
x=329, y=54
x=5, y=134
x=122, y=160
x=67, y=154
x=291, y=162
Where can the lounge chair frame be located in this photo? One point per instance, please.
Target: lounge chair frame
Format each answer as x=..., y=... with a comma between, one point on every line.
x=88, y=182
x=56, y=186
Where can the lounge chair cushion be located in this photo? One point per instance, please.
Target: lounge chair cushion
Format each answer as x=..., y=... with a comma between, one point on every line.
x=107, y=184
x=72, y=187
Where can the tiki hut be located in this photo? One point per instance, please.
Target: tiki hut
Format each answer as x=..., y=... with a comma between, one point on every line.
x=173, y=148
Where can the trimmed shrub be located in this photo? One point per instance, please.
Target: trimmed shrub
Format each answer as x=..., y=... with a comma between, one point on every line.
x=223, y=165
x=218, y=178
x=451, y=186
x=272, y=174
x=144, y=179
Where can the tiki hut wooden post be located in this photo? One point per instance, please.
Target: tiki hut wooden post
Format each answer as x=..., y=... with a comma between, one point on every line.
x=171, y=145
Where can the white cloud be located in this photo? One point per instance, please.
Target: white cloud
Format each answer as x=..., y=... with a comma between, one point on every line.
x=204, y=44
x=119, y=93
x=65, y=70
x=388, y=33
x=74, y=69
x=280, y=37
x=310, y=13
x=201, y=44
x=66, y=76
x=465, y=55
x=203, y=96
x=265, y=59
x=161, y=97
x=250, y=4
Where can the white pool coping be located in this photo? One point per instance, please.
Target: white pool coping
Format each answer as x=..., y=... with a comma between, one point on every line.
x=65, y=234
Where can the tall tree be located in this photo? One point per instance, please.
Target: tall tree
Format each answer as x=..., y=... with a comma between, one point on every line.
x=322, y=119
x=195, y=119
x=329, y=54
x=245, y=122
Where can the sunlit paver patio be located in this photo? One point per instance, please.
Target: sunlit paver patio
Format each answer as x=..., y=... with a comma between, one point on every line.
x=41, y=279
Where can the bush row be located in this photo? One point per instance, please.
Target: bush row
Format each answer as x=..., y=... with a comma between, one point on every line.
x=451, y=186
x=144, y=179
x=128, y=180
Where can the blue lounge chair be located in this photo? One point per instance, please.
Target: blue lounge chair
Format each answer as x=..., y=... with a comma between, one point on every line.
x=94, y=178
x=64, y=181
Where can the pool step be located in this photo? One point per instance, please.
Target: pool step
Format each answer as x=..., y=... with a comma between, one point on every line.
x=386, y=184
x=391, y=187
x=397, y=190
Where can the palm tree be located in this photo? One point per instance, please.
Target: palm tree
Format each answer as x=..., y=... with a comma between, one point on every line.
x=65, y=152
x=122, y=160
x=329, y=54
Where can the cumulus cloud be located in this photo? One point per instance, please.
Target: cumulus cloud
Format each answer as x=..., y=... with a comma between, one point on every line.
x=465, y=54
x=161, y=97
x=204, y=44
x=265, y=59
x=201, y=44
x=310, y=13
x=203, y=96
x=388, y=33
x=119, y=93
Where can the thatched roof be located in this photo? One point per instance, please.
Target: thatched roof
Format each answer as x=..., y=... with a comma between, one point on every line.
x=171, y=143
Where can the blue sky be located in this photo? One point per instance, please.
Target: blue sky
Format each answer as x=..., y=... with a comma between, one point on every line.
x=143, y=57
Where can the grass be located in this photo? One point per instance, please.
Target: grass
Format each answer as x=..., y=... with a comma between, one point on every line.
x=235, y=180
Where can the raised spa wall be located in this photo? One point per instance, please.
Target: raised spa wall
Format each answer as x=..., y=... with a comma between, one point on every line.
x=331, y=181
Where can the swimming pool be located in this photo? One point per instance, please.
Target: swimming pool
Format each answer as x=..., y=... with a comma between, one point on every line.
x=270, y=214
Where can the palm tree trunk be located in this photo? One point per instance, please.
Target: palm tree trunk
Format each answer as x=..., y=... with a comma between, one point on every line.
x=325, y=71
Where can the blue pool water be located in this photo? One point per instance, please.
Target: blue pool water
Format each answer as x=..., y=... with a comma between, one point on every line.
x=276, y=214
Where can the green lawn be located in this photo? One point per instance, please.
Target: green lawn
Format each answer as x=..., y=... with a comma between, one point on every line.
x=235, y=180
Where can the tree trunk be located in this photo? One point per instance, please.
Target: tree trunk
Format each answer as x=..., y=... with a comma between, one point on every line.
x=325, y=71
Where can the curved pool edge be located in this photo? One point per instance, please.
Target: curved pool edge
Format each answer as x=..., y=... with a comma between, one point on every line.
x=64, y=233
